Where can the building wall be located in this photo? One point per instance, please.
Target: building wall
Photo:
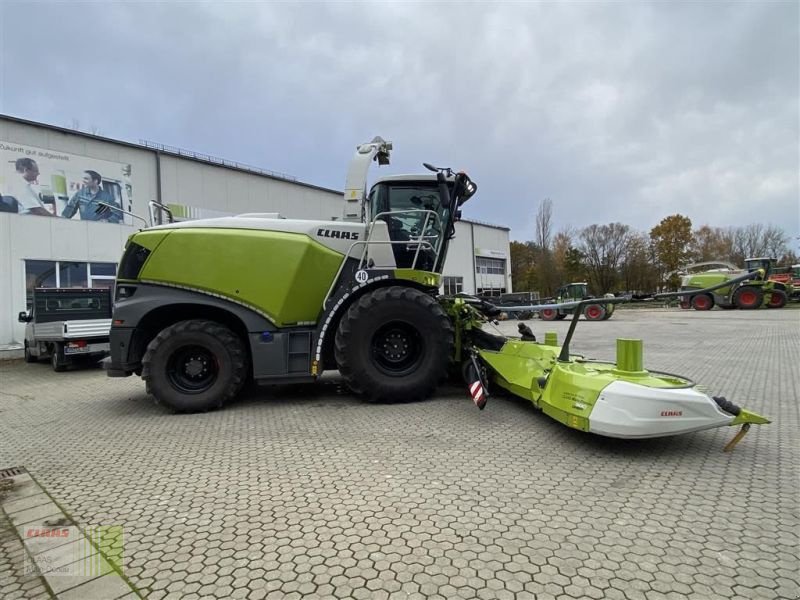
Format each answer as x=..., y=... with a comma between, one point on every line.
x=493, y=243
x=476, y=240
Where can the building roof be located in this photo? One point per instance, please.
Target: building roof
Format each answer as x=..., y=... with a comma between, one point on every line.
x=484, y=224
x=177, y=152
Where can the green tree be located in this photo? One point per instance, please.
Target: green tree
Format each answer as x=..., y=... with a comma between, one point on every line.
x=523, y=270
x=671, y=240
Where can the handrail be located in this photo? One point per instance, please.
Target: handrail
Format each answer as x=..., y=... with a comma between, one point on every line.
x=361, y=261
x=421, y=241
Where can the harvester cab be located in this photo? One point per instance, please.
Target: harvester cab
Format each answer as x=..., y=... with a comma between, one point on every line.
x=763, y=263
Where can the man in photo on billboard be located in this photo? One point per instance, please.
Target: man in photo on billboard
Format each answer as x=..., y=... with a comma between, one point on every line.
x=86, y=200
x=26, y=190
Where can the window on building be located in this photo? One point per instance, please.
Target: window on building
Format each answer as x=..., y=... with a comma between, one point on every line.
x=490, y=266
x=66, y=274
x=72, y=275
x=102, y=275
x=453, y=285
x=491, y=292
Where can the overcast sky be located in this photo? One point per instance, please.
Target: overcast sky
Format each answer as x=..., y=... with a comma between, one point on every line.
x=617, y=112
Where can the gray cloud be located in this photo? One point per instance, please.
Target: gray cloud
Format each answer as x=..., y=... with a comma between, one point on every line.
x=618, y=112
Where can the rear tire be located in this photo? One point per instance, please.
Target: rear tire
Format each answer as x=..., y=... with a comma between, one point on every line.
x=194, y=366
x=702, y=302
x=394, y=344
x=57, y=359
x=777, y=299
x=548, y=314
x=748, y=297
x=594, y=312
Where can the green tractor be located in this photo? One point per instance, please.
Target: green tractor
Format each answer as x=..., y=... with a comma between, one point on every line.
x=745, y=292
x=575, y=292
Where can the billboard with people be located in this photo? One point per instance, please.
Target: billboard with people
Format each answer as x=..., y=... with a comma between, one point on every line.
x=37, y=181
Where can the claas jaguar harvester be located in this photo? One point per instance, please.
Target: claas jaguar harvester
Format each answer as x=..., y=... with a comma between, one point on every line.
x=203, y=306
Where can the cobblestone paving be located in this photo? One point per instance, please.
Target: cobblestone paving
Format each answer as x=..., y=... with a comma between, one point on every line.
x=308, y=492
x=14, y=583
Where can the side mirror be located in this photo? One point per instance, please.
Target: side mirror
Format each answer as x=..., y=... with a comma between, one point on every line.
x=23, y=317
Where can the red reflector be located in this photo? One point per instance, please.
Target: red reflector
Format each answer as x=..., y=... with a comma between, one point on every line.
x=78, y=344
x=118, y=321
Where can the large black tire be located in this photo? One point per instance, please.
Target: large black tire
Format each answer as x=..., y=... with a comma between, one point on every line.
x=194, y=366
x=748, y=297
x=394, y=345
x=703, y=302
x=778, y=299
x=57, y=359
x=29, y=358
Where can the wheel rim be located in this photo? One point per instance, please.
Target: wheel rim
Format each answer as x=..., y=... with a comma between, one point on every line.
x=548, y=313
x=192, y=369
x=397, y=348
x=775, y=300
x=701, y=302
x=593, y=312
x=747, y=298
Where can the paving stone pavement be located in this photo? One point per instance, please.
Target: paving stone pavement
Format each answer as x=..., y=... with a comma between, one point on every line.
x=309, y=492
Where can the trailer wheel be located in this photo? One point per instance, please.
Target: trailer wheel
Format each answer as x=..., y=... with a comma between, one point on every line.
x=548, y=314
x=394, y=344
x=777, y=299
x=702, y=302
x=594, y=312
x=748, y=297
x=194, y=366
x=57, y=359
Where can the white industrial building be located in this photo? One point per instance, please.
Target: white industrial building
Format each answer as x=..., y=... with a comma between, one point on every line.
x=42, y=243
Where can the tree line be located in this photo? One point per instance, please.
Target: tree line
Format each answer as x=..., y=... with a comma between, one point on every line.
x=615, y=258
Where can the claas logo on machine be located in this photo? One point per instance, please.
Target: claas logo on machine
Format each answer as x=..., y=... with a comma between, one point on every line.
x=337, y=234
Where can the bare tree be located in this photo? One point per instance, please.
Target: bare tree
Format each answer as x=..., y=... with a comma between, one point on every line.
x=544, y=224
x=604, y=247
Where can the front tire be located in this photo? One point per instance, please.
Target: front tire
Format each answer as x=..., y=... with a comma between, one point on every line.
x=777, y=299
x=394, y=344
x=194, y=366
x=29, y=358
x=548, y=314
x=594, y=312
